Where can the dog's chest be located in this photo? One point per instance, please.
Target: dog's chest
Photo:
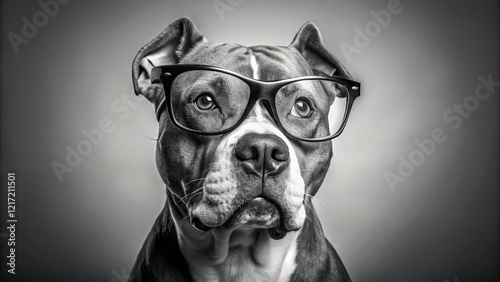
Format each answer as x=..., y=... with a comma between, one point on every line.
x=247, y=259
x=240, y=266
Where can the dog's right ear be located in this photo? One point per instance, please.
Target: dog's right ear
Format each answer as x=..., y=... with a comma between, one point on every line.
x=309, y=43
x=169, y=47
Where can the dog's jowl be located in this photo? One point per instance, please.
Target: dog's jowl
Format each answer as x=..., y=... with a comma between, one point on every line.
x=243, y=145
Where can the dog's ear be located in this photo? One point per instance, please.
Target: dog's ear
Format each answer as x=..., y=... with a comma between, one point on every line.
x=309, y=43
x=169, y=47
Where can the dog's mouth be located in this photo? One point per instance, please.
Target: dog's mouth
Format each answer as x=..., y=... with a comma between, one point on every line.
x=259, y=213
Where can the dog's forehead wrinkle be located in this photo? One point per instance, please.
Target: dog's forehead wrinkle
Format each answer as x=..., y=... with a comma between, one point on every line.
x=279, y=62
x=231, y=56
x=262, y=62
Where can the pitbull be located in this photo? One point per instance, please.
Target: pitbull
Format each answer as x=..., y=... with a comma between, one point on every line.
x=238, y=204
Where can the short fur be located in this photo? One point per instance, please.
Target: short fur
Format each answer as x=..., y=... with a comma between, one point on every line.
x=174, y=247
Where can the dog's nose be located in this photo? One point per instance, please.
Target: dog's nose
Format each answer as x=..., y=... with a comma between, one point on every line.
x=262, y=154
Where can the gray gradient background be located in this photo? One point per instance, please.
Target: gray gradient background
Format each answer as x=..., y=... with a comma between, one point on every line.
x=441, y=223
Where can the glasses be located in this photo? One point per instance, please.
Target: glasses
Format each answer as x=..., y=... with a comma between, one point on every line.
x=209, y=100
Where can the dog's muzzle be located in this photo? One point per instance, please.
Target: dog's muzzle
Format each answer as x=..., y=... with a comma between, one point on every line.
x=253, y=200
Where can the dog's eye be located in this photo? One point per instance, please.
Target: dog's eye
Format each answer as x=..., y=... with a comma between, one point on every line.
x=205, y=102
x=302, y=108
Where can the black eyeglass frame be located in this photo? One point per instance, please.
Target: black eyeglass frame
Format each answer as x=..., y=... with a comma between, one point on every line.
x=259, y=90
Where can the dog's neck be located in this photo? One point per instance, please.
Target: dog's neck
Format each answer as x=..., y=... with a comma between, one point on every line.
x=242, y=254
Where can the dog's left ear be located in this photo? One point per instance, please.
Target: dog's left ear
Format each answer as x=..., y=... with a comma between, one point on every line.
x=168, y=48
x=309, y=43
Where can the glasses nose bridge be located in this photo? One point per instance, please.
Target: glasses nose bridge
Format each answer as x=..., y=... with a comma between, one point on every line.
x=264, y=92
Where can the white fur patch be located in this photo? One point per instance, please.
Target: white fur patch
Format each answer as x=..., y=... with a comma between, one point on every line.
x=255, y=66
x=289, y=265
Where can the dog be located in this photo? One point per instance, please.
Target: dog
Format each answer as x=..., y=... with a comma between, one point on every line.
x=238, y=204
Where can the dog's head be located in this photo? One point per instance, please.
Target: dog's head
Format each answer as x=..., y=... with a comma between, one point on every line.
x=254, y=176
